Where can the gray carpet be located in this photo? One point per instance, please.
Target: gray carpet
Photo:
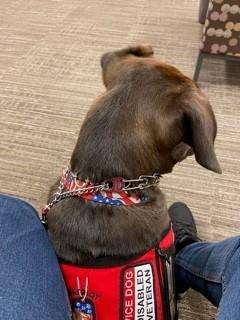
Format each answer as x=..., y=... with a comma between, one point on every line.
x=50, y=74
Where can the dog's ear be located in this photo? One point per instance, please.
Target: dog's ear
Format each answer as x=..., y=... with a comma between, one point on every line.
x=111, y=61
x=200, y=129
x=138, y=51
x=181, y=151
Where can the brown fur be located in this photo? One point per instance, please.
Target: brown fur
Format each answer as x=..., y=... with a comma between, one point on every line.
x=150, y=117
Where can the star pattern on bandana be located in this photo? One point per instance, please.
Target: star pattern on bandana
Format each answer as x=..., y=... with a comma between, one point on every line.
x=72, y=183
x=105, y=200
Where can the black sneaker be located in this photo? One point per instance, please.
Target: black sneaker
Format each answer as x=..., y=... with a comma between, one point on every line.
x=184, y=226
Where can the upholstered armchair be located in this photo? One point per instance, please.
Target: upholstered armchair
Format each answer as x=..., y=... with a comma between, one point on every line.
x=221, y=32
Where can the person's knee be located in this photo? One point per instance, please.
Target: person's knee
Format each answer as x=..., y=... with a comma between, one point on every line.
x=16, y=211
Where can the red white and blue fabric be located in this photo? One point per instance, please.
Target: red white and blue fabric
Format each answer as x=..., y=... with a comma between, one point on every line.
x=104, y=197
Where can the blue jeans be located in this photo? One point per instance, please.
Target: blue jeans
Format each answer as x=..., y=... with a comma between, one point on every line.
x=213, y=269
x=31, y=285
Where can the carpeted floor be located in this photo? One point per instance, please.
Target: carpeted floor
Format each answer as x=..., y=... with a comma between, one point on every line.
x=50, y=74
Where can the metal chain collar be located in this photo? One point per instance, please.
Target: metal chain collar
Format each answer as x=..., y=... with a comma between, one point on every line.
x=143, y=182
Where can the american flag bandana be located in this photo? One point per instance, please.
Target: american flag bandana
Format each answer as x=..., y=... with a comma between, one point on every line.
x=72, y=183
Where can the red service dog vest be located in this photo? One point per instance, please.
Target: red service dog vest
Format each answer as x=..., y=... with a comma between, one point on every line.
x=140, y=289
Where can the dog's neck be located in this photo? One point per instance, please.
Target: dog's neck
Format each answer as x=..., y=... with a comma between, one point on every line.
x=89, y=228
x=117, y=191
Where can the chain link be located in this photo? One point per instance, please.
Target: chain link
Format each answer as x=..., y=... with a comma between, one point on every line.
x=144, y=182
x=60, y=195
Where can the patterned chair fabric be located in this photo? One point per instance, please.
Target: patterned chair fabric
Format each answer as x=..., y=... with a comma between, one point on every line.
x=221, y=32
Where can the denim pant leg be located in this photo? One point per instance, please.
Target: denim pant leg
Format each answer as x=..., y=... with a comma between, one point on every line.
x=229, y=307
x=31, y=285
x=213, y=269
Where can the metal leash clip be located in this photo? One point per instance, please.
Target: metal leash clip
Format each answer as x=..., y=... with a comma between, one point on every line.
x=44, y=219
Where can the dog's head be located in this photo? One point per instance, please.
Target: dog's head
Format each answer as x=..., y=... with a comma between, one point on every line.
x=174, y=118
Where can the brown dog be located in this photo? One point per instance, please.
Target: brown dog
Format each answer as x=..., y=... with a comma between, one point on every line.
x=150, y=117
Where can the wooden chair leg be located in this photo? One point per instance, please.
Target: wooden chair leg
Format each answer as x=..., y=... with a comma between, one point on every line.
x=198, y=66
